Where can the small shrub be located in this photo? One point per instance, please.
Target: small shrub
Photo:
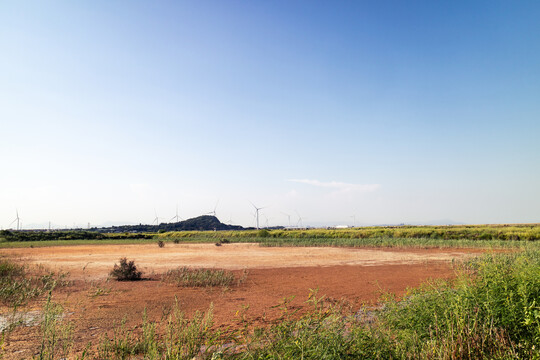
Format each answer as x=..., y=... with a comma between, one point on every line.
x=218, y=244
x=176, y=241
x=126, y=271
x=263, y=233
x=160, y=243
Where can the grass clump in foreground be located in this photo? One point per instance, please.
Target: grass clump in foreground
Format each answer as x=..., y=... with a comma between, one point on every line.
x=126, y=271
x=185, y=276
x=19, y=284
x=492, y=311
x=176, y=337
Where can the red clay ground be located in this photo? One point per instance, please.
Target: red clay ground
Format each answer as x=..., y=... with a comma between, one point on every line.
x=357, y=276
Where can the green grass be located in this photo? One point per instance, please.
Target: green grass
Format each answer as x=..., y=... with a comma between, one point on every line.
x=519, y=235
x=337, y=242
x=19, y=284
x=527, y=232
x=49, y=243
x=202, y=277
x=175, y=337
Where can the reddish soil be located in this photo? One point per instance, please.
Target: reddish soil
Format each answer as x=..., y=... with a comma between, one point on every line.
x=356, y=276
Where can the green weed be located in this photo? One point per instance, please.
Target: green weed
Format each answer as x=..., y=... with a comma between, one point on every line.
x=19, y=284
x=56, y=334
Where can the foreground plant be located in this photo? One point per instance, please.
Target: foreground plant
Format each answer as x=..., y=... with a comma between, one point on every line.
x=176, y=337
x=56, y=334
x=19, y=284
x=125, y=271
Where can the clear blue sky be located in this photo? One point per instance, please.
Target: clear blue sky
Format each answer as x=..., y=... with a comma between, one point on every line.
x=388, y=111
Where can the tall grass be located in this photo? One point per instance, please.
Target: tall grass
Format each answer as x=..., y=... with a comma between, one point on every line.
x=491, y=311
x=202, y=277
x=56, y=334
x=176, y=337
x=19, y=284
x=528, y=232
x=520, y=235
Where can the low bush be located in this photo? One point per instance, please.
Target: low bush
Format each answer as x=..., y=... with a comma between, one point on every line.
x=126, y=271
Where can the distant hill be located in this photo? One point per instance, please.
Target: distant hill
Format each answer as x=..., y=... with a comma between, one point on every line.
x=201, y=223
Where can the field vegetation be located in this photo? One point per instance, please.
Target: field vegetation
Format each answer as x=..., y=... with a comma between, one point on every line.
x=491, y=236
x=125, y=271
x=529, y=232
x=202, y=277
x=19, y=283
x=490, y=311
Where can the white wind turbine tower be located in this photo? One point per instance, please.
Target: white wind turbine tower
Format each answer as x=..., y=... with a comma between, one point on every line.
x=257, y=213
x=176, y=216
x=17, y=219
x=213, y=213
x=354, y=220
x=266, y=221
x=156, y=219
x=299, y=222
x=288, y=216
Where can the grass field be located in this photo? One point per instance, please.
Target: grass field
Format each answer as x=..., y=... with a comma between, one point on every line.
x=490, y=236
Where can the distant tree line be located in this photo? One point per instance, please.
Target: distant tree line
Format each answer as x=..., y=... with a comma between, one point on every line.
x=201, y=223
x=29, y=235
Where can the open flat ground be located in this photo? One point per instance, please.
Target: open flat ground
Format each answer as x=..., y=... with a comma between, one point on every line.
x=95, y=305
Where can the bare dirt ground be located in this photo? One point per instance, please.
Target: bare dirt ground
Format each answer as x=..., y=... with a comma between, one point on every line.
x=95, y=305
x=95, y=261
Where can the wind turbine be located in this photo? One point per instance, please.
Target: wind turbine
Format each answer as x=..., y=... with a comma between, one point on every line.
x=17, y=219
x=354, y=220
x=299, y=219
x=257, y=213
x=288, y=216
x=156, y=220
x=266, y=221
x=176, y=217
x=213, y=213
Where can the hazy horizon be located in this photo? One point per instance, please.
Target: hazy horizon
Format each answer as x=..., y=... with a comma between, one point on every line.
x=346, y=113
